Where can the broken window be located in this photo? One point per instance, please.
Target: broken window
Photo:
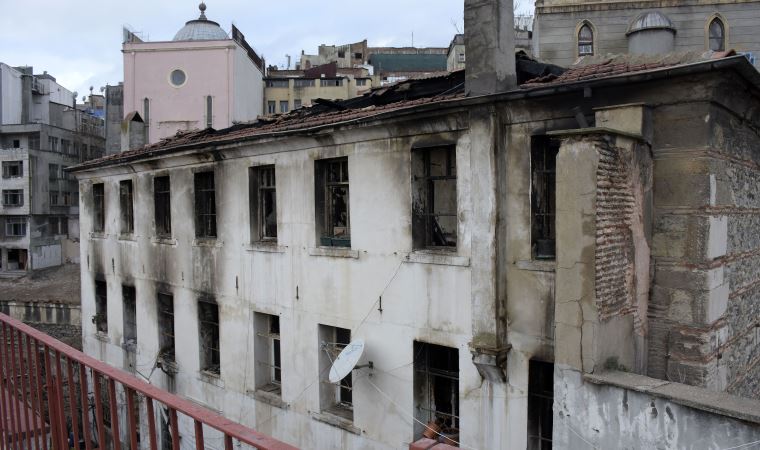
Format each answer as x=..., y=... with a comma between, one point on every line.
x=99, y=208
x=15, y=226
x=335, y=398
x=585, y=40
x=717, y=32
x=263, y=199
x=271, y=107
x=208, y=331
x=101, y=306
x=166, y=327
x=16, y=143
x=341, y=53
x=283, y=106
x=332, y=202
x=540, y=401
x=129, y=315
x=17, y=259
x=543, y=196
x=13, y=197
x=358, y=55
x=267, y=351
x=163, y=209
x=126, y=201
x=436, y=390
x=205, y=205
x=209, y=111
x=434, y=184
x=13, y=169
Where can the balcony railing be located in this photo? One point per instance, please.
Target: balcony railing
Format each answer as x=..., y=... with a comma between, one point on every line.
x=52, y=395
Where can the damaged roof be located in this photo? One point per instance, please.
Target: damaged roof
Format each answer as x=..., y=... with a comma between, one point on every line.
x=407, y=95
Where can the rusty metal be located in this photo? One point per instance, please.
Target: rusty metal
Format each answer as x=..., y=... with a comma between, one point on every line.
x=33, y=405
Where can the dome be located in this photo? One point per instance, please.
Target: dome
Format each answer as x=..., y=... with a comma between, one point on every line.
x=201, y=29
x=650, y=20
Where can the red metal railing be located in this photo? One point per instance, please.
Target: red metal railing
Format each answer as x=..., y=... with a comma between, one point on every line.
x=47, y=401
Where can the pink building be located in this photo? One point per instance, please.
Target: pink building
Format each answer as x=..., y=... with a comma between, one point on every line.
x=202, y=78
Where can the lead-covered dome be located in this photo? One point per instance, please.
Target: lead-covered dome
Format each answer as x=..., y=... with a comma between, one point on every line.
x=650, y=20
x=201, y=29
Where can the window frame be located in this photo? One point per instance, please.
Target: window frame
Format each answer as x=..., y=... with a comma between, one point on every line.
x=101, y=307
x=99, y=208
x=15, y=226
x=709, y=39
x=268, y=349
x=162, y=206
x=127, y=206
x=166, y=334
x=335, y=398
x=210, y=357
x=129, y=317
x=543, y=182
x=425, y=377
x=262, y=181
x=205, y=217
x=586, y=42
x=13, y=198
x=424, y=213
x=324, y=208
x=9, y=166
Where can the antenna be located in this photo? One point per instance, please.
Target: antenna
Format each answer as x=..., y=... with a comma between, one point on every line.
x=347, y=360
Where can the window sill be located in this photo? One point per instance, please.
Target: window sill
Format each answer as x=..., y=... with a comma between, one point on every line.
x=97, y=235
x=168, y=366
x=440, y=257
x=334, y=252
x=265, y=247
x=163, y=241
x=127, y=237
x=537, y=265
x=211, y=378
x=101, y=336
x=270, y=398
x=207, y=242
x=336, y=421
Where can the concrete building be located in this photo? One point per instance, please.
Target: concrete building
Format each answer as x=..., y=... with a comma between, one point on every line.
x=286, y=90
x=532, y=257
x=203, y=78
x=568, y=29
x=41, y=133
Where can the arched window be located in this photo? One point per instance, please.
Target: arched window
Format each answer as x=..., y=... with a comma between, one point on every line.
x=717, y=35
x=585, y=40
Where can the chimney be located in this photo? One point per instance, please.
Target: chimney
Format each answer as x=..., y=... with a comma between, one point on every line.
x=489, y=39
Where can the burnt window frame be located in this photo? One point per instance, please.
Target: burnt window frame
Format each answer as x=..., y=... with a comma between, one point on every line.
x=324, y=187
x=13, y=169
x=166, y=335
x=335, y=398
x=13, y=198
x=208, y=322
x=129, y=317
x=268, y=353
x=543, y=196
x=162, y=206
x=425, y=235
x=425, y=382
x=540, y=405
x=262, y=182
x=100, y=319
x=98, y=207
x=204, y=184
x=127, y=206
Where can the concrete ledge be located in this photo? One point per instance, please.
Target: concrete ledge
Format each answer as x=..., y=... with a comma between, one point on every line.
x=336, y=421
x=537, y=265
x=439, y=258
x=270, y=398
x=265, y=247
x=163, y=241
x=208, y=242
x=692, y=396
x=597, y=131
x=211, y=378
x=335, y=252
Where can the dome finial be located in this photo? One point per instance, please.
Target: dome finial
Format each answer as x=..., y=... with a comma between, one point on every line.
x=202, y=7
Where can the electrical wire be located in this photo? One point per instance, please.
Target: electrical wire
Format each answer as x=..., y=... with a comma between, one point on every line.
x=743, y=445
x=564, y=422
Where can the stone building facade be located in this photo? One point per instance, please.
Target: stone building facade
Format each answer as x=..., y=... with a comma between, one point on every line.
x=565, y=30
x=511, y=246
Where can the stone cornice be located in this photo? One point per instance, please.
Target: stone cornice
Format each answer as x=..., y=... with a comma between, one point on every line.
x=638, y=4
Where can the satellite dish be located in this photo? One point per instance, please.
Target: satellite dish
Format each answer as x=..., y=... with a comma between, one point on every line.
x=346, y=361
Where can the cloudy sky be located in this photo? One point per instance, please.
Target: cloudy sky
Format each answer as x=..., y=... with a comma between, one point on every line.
x=79, y=41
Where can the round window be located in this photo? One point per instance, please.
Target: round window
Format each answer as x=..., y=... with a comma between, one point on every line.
x=177, y=77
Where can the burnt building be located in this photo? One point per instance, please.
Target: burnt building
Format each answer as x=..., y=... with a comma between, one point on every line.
x=533, y=257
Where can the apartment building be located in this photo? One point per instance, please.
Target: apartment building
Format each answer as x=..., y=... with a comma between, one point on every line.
x=41, y=134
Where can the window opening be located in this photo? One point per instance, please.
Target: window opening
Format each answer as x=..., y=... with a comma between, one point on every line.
x=15, y=226
x=13, y=197
x=101, y=306
x=263, y=207
x=13, y=169
x=267, y=351
x=717, y=35
x=335, y=398
x=162, y=206
x=99, y=207
x=209, y=111
x=129, y=317
x=585, y=41
x=205, y=205
x=283, y=106
x=540, y=404
x=166, y=326
x=126, y=198
x=436, y=390
x=208, y=323
x=332, y=203
x=543, y=196
x=434, y=178
x=17, y=259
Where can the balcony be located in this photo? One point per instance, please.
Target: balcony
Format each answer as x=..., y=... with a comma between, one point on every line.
x=52, y=395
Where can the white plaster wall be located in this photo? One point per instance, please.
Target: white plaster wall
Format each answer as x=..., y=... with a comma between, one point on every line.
x=46, y=256
x=247, y=92
x=10, y=100
x=426, y=302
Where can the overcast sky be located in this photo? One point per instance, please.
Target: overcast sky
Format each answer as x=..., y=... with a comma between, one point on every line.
x=79, y=41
